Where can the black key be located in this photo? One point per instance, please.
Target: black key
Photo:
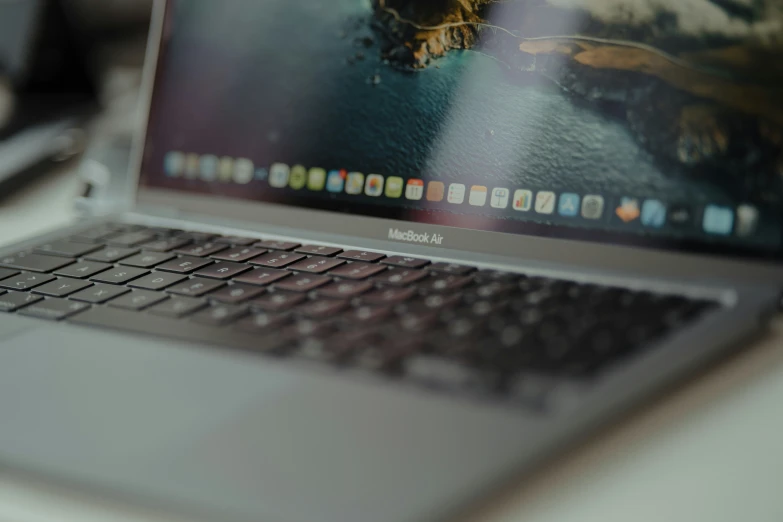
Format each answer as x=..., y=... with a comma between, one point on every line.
x=496, y=276
x=388, y=296
x=53, y=309
x=319, y=250
x=277, y=259
x=278, y=301
x=236, y=240
x=147, y=259
x=316, y=265
x=138, y=300
x=405, y=262
x=277, y=245
x=12, y=301
x=445, y=283
x=5, y=273
x=264, y=322
x=199, y=237
x=219, y=315
x=223, y=270
x=237, y=293
x=302, y=283
x=167, y=244
x=66, y=249
x=239, y=254
x=357, y=270
x=345, y=289
x=131, y=239
x=451, y=268
x=62, y=287
x=25, y=281
x=178, y=306
x=164, y=231
x=111, y=254
x=400, y=277
x=202, y=249
x=83, y=269
x=34, y=262
x=157, y=281
x=361, y=255
x=119, y=275
x=195, y=287
x=100, y=293
x=321, y=309
x=184, y=265
x=96, y=235
x=367, y=315
x=262, y=276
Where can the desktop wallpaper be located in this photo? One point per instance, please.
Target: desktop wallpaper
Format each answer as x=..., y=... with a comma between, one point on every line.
x=677, y=101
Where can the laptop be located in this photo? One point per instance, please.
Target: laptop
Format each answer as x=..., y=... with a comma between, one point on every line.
x=380, y=257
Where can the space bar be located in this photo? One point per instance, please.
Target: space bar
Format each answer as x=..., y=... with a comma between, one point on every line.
x=176, y=329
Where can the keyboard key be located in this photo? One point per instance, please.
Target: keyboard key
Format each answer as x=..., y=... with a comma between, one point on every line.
x=62, y=287
x=319, y=250
x=100, y=293
x=405, y=262
x=83, y=269
x=195, y=287
x=361, y=255
x=237, y=293
x=96, y=235
x=236, y=240
x=277, y=245
x=239, y=254
x=119, y=275
x=357, y=270
x=131, y=239
x=138, y=300
x=178, y=306
x=445, y=283
x=221, y=314
x=400, y=277
x=302, y=283
x=111, y=254
x=34, y=262
x=66, y=249
x=202, y=249
x=147, y=259
x=276, y=259
x=321, y=309
x=365, y=315
x=262, y=276
x=167, y=244
x=388, y=296
x=223, y=270
x=316, y=265
x=345, y=289
x=451, y=268
x=278, y=302
x=25, y=281
x=5, y=273
x=157, y=281
x=264, y=322
x=496, y=276
x=53, y=309
x=12, y=301
x=184, y=265
x=199, y=237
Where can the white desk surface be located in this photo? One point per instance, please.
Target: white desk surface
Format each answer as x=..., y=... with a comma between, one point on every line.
x=711, y=451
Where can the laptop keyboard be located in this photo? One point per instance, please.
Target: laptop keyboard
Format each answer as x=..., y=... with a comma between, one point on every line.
x=447, y=326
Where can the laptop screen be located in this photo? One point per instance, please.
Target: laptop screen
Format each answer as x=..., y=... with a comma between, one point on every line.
x=642, y=122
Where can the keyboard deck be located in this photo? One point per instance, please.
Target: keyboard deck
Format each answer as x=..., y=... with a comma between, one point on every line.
x=441, y=325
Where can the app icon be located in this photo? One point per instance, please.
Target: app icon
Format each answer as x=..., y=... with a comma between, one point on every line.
x=435, y=191
x=355, y=183
x=718, y=220
x=394, y=187
x=374, y=185
x=680, y=215
x=499, y=198
x=747, y=220
x=278, y=175
x=174, y=164
x=628, y=209
x=335, y=182
x=545, y=202
x=414, y=189
x=226, y=169
x=569, y=204
x=243, y=171
x=316, y=179
x=523, y=200
x=298, y=177
x=191, y=166
x=478, y=196
x=208, y=167
x=653, y=213
x=261, y=174
x=592, y=206
x=456, y=193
